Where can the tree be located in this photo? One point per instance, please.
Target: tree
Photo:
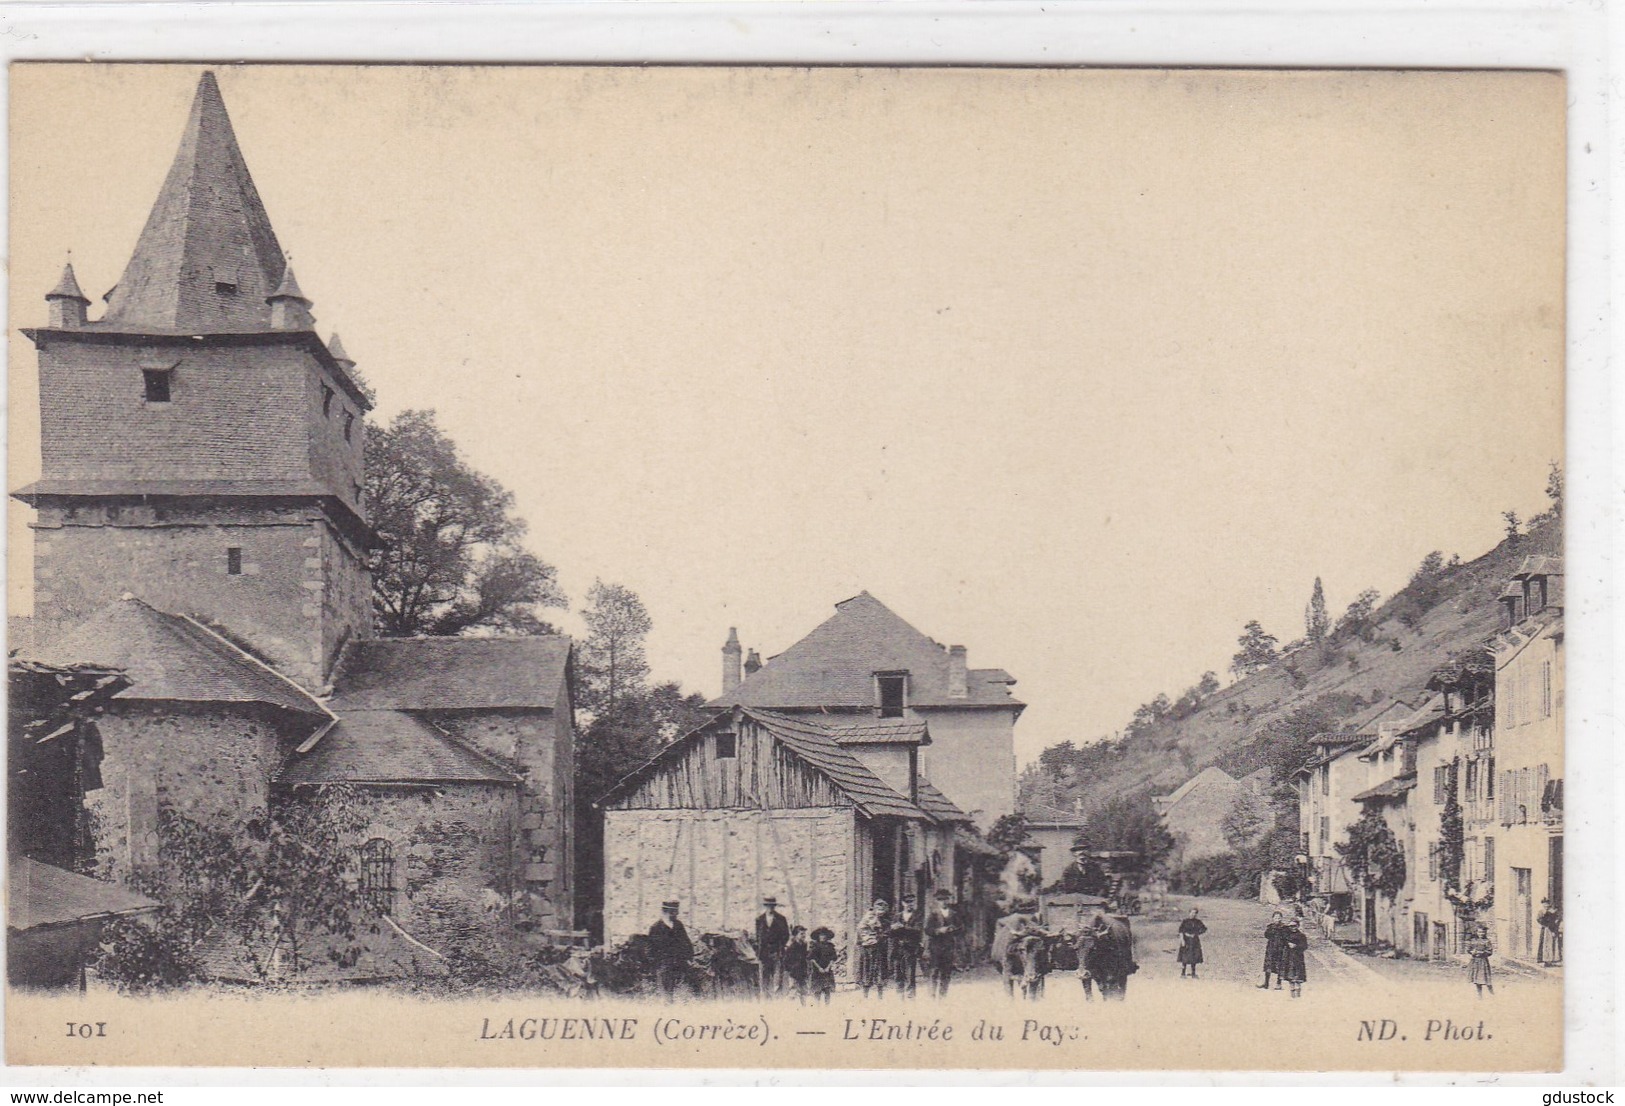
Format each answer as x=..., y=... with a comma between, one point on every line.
x=1316, y=621
x=1208, y=685
x=613, y=661
x=1358, y=620
x=1372, y=854
x=450, y=558
x=1514, y=525
x=275, y=894
x=1259, y=649
x=1554, y=491
x=1129, y=823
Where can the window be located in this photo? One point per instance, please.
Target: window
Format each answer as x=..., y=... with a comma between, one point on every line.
x=234, y=561
x=327, y=402
x=890, y=691
x=1489, y=778
x=727, y=746
x=225, y=288
x=1439, y=783
x=1433, y=861
x=1489, y=860
x=156, y=382
x=1325, y=779
x=349, y=421
x=1546, y=689
x=1325, y=834
x=378, y=875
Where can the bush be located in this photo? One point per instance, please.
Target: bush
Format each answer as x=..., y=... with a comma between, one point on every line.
x=1208, y=875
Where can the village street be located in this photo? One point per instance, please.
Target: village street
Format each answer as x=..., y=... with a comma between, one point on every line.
x=1234, y=955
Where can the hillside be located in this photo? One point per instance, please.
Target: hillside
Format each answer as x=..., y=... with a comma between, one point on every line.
x=1264, y=718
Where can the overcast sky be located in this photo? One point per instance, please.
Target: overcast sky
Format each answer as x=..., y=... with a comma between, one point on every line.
x=1081, y=370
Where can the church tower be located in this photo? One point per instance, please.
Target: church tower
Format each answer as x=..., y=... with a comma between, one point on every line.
x=201, y=447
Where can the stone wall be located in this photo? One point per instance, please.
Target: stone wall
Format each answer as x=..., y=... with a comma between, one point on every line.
x=300, y=590
x=540, y=744
x=210, y=764
x=720, y=863
x=453, y=847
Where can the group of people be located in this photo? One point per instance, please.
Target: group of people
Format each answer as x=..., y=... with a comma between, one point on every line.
x=893, y=944
x=1101, y=952
x=790, y=960
x=1285, y=946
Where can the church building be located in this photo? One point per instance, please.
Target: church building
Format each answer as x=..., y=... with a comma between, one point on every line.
x=202, y=526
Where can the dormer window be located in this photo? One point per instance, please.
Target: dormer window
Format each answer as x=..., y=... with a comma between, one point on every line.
x=891, y=693
x=155, y=383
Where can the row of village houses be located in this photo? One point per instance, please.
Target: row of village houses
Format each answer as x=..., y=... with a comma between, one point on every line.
x=1467, y=775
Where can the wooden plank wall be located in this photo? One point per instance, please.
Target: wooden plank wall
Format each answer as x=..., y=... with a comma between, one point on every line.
x=762, y=775
x=720, y=863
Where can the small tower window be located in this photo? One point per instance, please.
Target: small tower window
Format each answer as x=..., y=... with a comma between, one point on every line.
x=225, y=288
x=349, y=423
x=727, y=746
x=156, y=383
x=234, y=561
x=327, y=402
x=890, y=693
x=378, y=875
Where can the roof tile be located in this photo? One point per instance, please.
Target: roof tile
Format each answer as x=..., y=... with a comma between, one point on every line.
x=388, y=746
x=451, y=673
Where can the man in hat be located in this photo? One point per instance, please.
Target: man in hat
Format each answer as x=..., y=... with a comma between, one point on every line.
x=942, y=928
x=670, y=949
x=772, y=934
x=907, y=934
x=872, y=948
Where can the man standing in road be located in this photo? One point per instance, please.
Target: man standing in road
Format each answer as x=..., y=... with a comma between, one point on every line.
x=772, y=934
x=941, y=931
x=670, y=949
x=907, y=932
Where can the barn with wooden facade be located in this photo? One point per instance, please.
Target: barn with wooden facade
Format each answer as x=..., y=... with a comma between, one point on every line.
x=825, y=818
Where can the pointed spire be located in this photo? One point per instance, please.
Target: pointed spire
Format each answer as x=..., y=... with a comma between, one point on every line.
x=67, y=301
x=207, y=259
x=290, y=310
x=67, y=287
x=336, y=349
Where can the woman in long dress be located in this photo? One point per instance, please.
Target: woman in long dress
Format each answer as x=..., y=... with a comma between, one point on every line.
x=1190, y=943
x=1294, y=969
x=1551, y=933
x=1274, y=947
x=1479, y=949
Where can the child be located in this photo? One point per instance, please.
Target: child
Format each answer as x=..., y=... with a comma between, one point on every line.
x=794, y=962
x=821, y=958
x=1478, y=968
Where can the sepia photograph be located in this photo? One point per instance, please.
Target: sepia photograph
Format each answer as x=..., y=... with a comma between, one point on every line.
x=786, y=567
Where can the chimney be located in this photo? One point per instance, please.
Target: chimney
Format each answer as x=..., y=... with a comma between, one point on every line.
x=753, y=663
x=958, y=679
x=730, y=662
x=290, y=310
x=67, y=302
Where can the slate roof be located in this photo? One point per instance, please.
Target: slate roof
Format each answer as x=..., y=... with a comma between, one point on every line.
x=834, y=666
x=1539, y=565
x=207, y=226
x=170, y=657
x=817, y=745
x=1429, y=713
x=814, y=744
x=1211, y=774
x=389, y=746
x=1044, y=814
x=938, y=805
x=1388, y=789
x=45, y=895
x=451, y=673
x=887, y=732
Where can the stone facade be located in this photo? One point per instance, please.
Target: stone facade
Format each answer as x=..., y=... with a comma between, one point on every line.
x=212, y=764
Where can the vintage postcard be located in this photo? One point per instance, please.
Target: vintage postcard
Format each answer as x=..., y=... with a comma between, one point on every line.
x=786, y=567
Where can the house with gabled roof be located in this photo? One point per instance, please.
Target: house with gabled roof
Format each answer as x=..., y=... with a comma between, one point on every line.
x=824, y=816
x=865, y=661
x=201, y=527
